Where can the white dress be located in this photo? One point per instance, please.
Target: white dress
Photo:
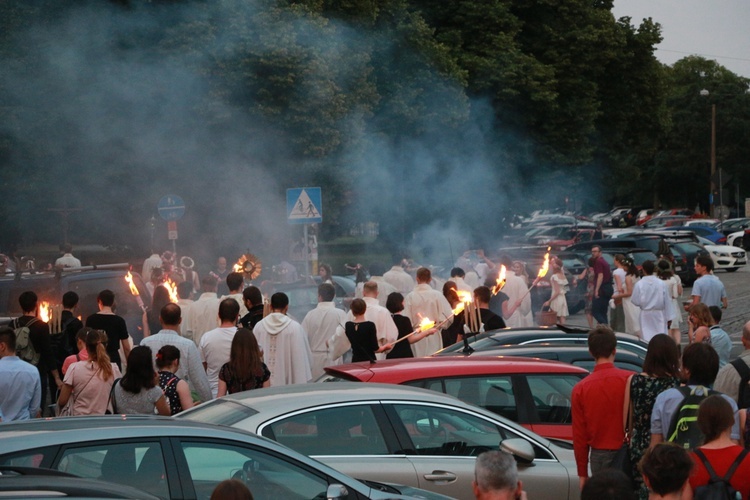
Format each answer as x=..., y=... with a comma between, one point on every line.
x=560, y=304
x=673, y=284
x=632, y=314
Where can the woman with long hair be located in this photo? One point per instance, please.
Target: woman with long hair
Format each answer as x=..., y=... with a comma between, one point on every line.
x=674, y=283
x=326, y=273
x=699, y=323
x=138, y=391
x=557, y=301
x=160, y=299
x=87, y=384
x=715, y=420
x=660, y=372
x=175, y=389
x=246, y=369
x=455, y=331
x=631, y=312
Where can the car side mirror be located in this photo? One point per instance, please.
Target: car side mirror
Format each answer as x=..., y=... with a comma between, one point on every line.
x=521, y=450
x=336, y=491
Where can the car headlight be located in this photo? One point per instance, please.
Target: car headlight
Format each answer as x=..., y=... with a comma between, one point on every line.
x=720, y=254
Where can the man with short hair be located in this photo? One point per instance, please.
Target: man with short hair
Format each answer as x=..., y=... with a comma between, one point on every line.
x=597, y=405
x=216, y=345
x=69, y=326
x=611, y=484
x=386, y=328
x=220, y=273
x=204, y=312
x=700, y=365
x=399, y=279
x=284, y=344
x=20, y=382
x=191, y=369
x=666, y=470
x=384, y=288
x=720, y=338
x=707, y=288
x=320, y=324
x=728, y=379
x=67, y=260
x=235, y=283
x=490, y=320
x=425, y=302
x=651, y=295
x=603, y=288
x=112, y=324
x=252, y=297
x=457, y=277
x=496, y=477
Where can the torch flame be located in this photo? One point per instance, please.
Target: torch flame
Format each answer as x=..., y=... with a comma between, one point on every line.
x=237, y=268
x=426, y=324
x=45, y=311
x=459, y=308
x=464, y=296
x=133, y=288
x=171, y=286
x=500, y=281
x=545, y=267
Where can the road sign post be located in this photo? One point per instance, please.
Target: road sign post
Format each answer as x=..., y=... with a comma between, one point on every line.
x=304, y=206
x=171, y=208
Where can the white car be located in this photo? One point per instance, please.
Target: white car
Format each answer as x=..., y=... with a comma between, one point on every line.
x=735, y=239
x=725, y=257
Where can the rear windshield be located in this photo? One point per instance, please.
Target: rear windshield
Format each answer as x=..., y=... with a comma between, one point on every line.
x=219, y=412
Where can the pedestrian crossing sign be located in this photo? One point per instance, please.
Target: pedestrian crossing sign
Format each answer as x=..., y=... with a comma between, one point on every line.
x=304, y=205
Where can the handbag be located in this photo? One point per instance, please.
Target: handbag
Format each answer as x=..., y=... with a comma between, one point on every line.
x=546, y=318
x=621, y=460
x=112, y=401
x=67, y=410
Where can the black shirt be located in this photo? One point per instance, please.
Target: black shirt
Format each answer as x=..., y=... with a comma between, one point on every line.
x=491, y=320
x=364, y=340
x=253, y=317
x=116, y=330
x=401, y=349
x=40, y=339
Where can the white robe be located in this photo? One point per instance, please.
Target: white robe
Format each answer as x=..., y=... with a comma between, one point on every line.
x=286, y=350
x=384, y=289
x=149, y=264
x=320, y=324
x=240, y=300
x=515, y=288
x=651, y=295
x=387, y=330
x=203, y=316
x=399, y=279
x=461, y=284
x=424, y=302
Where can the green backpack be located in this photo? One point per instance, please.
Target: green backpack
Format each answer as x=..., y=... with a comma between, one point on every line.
x=24, y=346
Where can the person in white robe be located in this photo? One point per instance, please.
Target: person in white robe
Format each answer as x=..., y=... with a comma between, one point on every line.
x=320, y=324
x=149, y=264
x=651, y=295
x=457, y=277
x=203, y=315
x=399, y=279
x=285, y=347
x=517, y=309
x=425, y=302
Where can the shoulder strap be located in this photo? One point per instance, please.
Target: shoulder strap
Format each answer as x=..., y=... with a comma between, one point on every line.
x=709, y=468
x=735, y=464
x=741, y=367
x=31, y=322
x=112, y=398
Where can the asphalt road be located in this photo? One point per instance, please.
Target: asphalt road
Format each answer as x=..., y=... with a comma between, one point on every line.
x=735, y=316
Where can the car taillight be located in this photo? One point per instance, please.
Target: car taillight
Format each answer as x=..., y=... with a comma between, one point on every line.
x=722, y=240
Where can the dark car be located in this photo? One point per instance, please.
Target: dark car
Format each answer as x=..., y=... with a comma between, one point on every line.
x=552, y=336
x=688, y=251
x=87, y=282
x=649, y=242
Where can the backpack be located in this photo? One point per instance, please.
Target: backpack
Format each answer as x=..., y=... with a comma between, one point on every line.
x=743, y=393
x=718, y=488
x=24, y=347
x=683, y=428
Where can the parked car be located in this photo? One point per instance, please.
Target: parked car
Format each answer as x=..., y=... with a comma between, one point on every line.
x=87, y=282
x=711, y=234
x=404, y=434
x=725, y=257
x=730, y=226
x=32, y=482
x=552, y=336
x=174, y=459
x=690, y=250
x=644, y=215
x=535, y=387
x=649, y=242
x=663, y=221
x=740, y=239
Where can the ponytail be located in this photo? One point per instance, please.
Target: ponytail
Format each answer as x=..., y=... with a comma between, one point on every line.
x=97, y=351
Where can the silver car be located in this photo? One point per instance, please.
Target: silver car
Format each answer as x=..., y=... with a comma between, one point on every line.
x=178, y=459
x=386, y=432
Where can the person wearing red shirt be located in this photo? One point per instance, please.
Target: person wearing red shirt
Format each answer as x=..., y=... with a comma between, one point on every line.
x=597, y=406
x=715, y=420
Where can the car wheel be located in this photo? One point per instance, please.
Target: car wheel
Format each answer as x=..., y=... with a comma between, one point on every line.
x=732, y=269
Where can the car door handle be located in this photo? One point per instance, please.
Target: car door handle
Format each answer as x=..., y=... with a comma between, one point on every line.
x=441, y=476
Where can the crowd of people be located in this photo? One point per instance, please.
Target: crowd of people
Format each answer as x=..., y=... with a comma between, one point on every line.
x=211, y=343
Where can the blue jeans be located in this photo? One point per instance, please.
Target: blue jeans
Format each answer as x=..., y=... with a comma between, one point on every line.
x=600, y=305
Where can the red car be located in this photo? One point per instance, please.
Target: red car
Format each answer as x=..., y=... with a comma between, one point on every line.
x=532, y=392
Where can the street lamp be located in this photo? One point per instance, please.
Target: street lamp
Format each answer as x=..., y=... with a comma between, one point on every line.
x=706, y=93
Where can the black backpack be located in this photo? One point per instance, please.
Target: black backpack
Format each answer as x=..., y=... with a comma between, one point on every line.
x=743, y=392
x=718, y=488
x=683, y=428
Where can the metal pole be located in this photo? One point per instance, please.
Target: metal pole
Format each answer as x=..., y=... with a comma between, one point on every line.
x=713, y=158
x=307, y=256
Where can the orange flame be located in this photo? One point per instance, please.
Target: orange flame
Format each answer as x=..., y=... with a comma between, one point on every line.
x=237, y=268
x=133, y=288
x=426, y=324
x=171, y=286
x=545, y=267
x=500, y=281
x=45, y=311
x=464, y=296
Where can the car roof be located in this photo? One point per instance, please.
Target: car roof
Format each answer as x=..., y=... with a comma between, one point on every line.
x=401, y=370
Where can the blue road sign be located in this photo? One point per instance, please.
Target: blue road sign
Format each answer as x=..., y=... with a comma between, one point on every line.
x=171, y=207
x=304, y=205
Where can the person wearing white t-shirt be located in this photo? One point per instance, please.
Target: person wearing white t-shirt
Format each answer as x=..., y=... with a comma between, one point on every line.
x=216, y=345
